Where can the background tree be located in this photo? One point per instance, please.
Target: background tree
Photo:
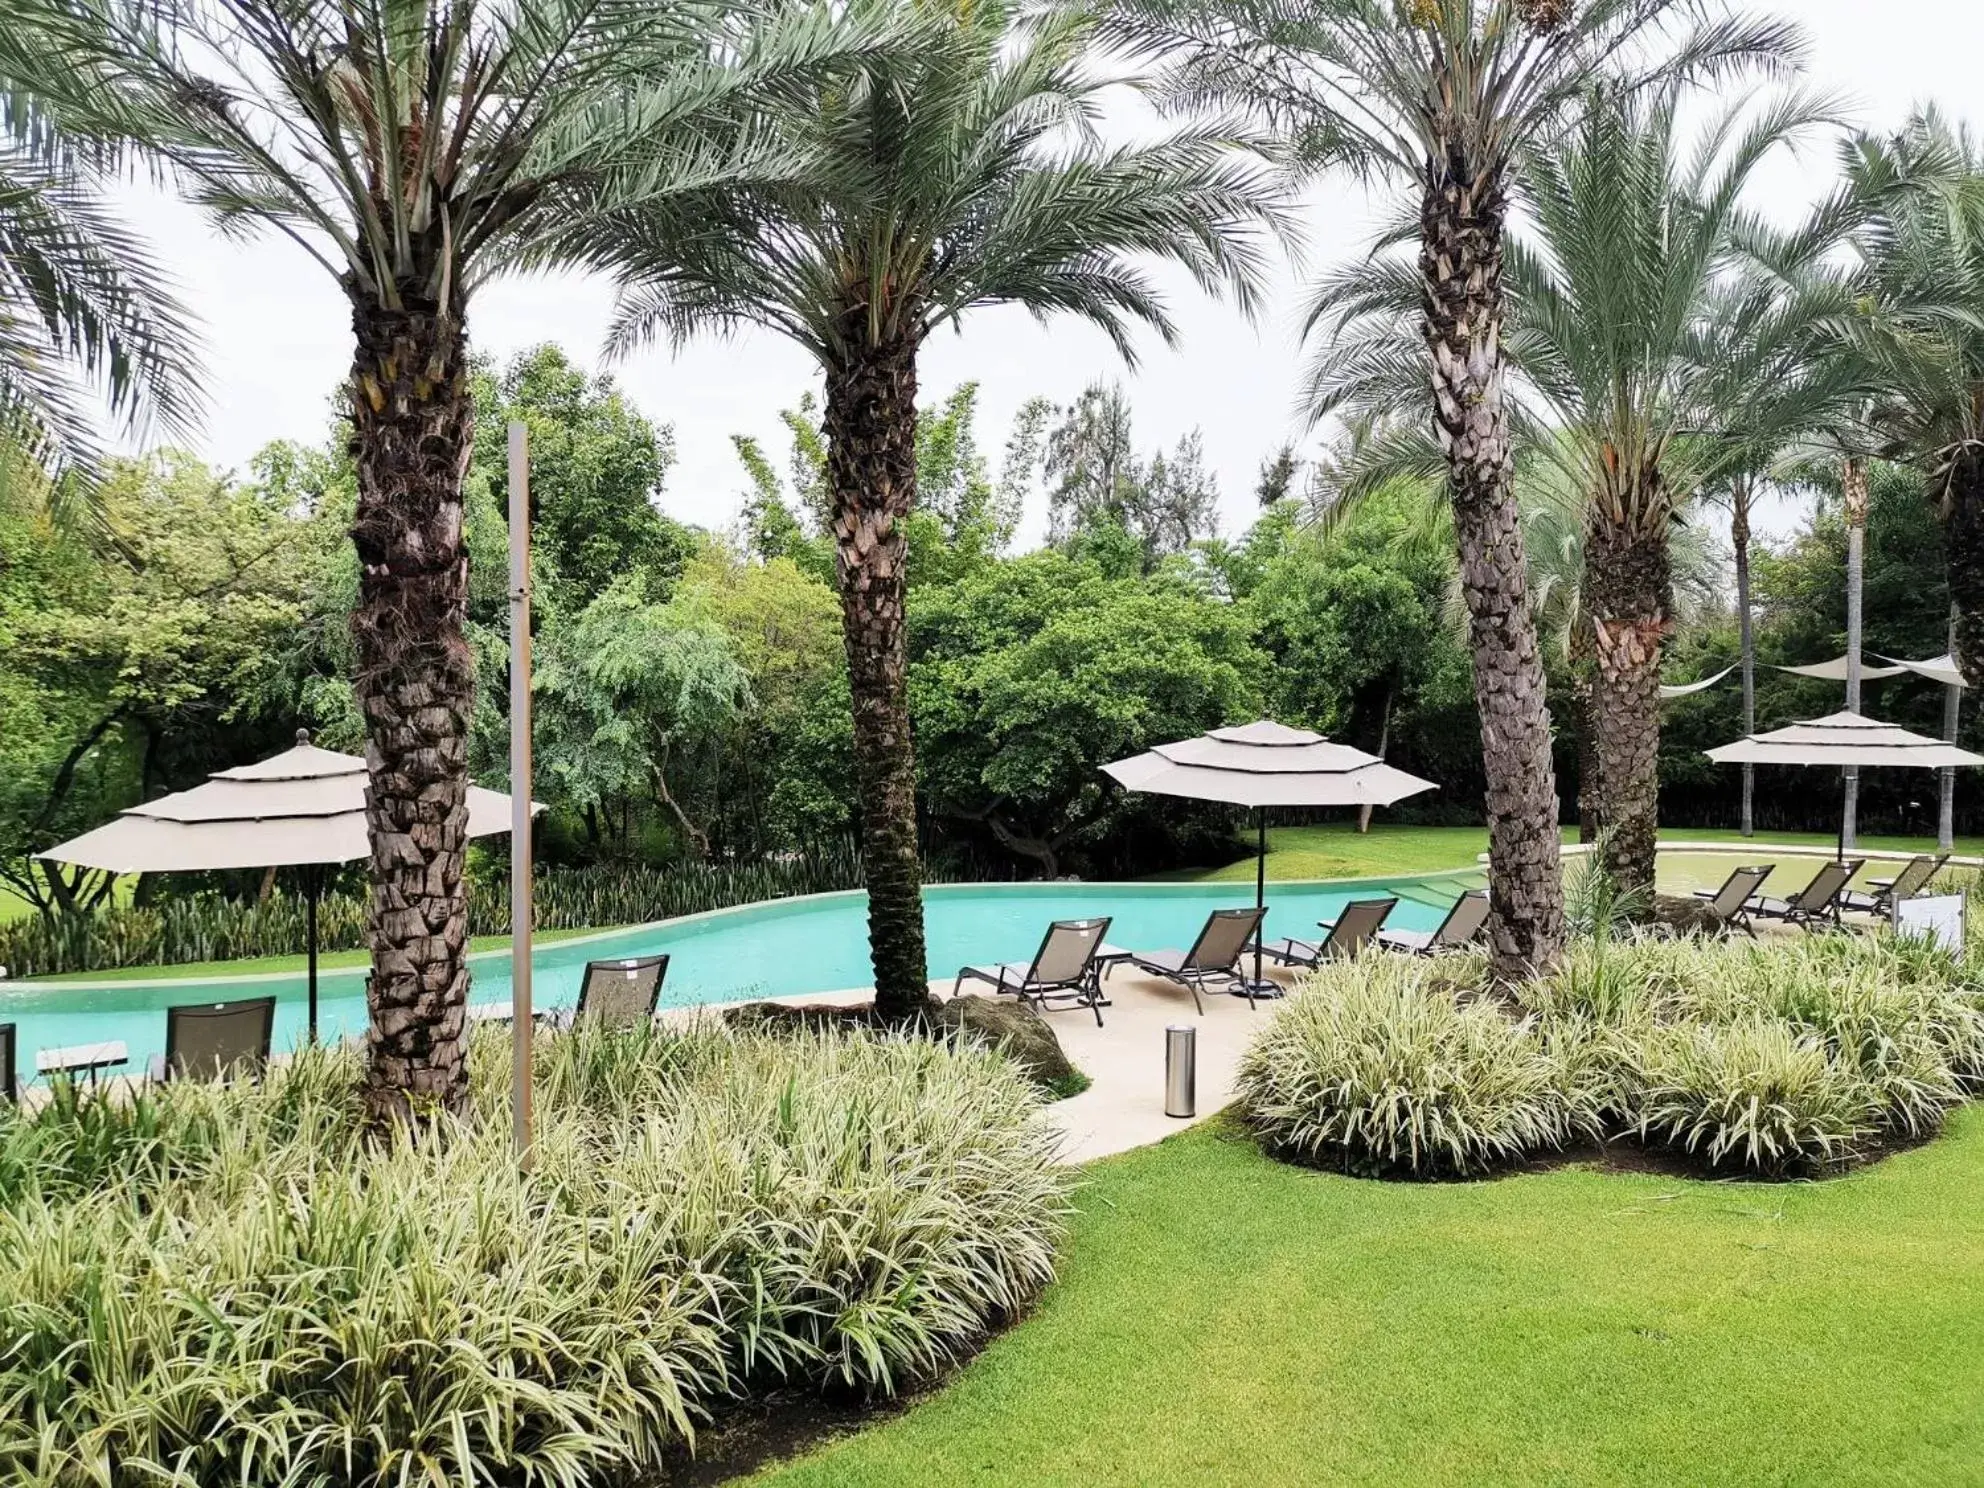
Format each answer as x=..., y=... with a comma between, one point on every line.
x=951, y=173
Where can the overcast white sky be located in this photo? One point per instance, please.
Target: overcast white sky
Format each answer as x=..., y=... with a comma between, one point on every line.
x=277, y=333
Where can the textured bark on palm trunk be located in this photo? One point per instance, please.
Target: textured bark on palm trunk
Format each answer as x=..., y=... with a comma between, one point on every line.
x=871, y=469
x=1853, y=481
x=1739, y=538
x=412, y=428
x=1626, y=585
x=1460, y=260
x=1962, y=506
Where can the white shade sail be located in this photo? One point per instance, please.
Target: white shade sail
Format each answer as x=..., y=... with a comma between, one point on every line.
x=1835, y=671
x=1688, y=689
x=1266, y=764
x=305, y=805
x=1941, y=669
x=1840, y=740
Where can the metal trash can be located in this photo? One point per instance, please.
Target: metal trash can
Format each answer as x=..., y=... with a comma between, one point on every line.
x=1181, y=1070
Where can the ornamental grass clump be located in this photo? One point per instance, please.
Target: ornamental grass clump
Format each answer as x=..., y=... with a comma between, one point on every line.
x=1377, y=1068
x=236, y=1284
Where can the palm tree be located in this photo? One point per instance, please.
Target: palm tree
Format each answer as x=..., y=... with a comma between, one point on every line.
x=955, y=172
x=83, y=309
x=1918, y=336
x=1444, y=95
x=1636, y=339
x=412, y=149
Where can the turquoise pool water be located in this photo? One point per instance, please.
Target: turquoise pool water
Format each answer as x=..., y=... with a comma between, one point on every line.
x=816, y=944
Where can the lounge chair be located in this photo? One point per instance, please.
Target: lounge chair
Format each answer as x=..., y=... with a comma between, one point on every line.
x=1730, y=904
x=1912, y=880
x=217, y=1040
x=1349, y=933
x=623, y=994
x=1213, y=959
x=9, y=1090
x=1815, y=904
x=1462, y=926
x=1063, y=968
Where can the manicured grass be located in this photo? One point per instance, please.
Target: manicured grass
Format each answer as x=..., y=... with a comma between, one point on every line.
x=1339, y=851
x=279, y=965
x=1226, y=1319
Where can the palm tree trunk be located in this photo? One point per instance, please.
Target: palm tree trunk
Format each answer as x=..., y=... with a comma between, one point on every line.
x=1626, y=588
x=871, y=472
x=1739, y=538
x=412, y=432
x=1853, y=480
x=1460, y=258
x=1962, y=505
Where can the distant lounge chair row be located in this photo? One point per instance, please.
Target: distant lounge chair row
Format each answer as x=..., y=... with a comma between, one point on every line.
x=1740, y=901
x=228, y=1039
x=1069, y=966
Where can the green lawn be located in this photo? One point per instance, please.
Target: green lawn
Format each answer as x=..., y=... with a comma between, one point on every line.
x=1225, y=1319
x=275, y=965
x=1338, y=851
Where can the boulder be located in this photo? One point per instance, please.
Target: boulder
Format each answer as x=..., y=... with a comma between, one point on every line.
x=1016, y=1030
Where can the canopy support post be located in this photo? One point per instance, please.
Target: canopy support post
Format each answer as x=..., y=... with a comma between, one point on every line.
x=312, y=886
x=1260, y=888
x=520, y=836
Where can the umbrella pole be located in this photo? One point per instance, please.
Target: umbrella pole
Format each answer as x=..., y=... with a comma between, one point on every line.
x=1260, y=886
x=310, y=888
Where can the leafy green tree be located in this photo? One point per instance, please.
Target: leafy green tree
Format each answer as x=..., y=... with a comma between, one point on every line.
x=596, y=472
x=953, y=171
x=413, y=149
x=1445, y=95
x=1096, y=480
x=1028, y=676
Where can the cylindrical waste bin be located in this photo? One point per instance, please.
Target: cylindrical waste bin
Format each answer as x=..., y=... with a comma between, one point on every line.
x=1181, y=1070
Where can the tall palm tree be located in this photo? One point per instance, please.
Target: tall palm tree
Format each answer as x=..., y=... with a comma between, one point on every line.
x=83, y=307
x=1635, y=334
x=956, y=172
x=1444, y=95
x=1918, y=338
x=411, y=149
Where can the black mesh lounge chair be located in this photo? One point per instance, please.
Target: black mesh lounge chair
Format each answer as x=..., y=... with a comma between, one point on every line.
x=623, y=994
x=1063, y=969
x=1912, y=880
x=1349, y=933
x=1213, y=960
x=9, y=1089
x=1815, y=904
x=1463, y=924
x=1730, y=904
x=217, y=1040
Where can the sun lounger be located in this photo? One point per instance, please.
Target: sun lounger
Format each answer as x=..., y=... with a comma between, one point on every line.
x=1817, y=903
x=1730, y=904
x=82, y=1059
x=1912, y=880
x=1349, y=933
x=1214, y=958
x=217, y=1040
x=1063, y=969
x=1462, y=926
x=623, y=994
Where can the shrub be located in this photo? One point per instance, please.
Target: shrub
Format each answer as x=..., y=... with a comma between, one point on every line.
x=1756, y=1090
x=1376, y=1068
x=228, y=1284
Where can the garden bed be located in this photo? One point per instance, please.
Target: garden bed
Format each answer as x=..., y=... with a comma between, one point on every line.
x=229, y=1283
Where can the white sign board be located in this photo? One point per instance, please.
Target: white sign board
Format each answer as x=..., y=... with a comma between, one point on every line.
x=1938, y=917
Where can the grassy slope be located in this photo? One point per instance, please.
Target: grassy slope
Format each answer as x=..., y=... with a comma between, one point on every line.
x=1224, y=1319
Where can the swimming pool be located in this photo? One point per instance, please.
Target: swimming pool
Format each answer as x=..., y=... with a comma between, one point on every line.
x=789, y=946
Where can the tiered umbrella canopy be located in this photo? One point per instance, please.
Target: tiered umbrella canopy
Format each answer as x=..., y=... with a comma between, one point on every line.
x=1261, y=765
x=304, y=807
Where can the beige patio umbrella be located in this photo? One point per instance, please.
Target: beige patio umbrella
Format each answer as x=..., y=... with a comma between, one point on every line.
x=1842, y=739
x=1262, y=765
x=302, y=808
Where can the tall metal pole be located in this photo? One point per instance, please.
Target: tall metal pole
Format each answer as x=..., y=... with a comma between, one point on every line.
x=520, y=843
x=1260, y=889
x=311, y=887
x=1946, y=787
x=1853, y=482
